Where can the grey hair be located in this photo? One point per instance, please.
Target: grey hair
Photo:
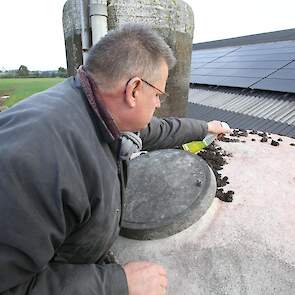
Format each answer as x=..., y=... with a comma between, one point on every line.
x=133, y=50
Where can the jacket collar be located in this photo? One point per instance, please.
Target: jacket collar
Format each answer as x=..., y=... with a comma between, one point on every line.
x=105, y=121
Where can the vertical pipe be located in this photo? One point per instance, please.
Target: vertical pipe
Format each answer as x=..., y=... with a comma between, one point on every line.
x=85, y=37
x=98, y=16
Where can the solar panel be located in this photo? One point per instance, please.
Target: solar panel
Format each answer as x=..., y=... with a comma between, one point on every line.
x=247, y=65
x=215, y=51
x=290, y=65
x=283, y=74
x=223, y=81
x=283, y=85
x=195, y=65
x=266, y=57
x=233, y=72
x=262, y=46
x=268, y=66
x=264, y=51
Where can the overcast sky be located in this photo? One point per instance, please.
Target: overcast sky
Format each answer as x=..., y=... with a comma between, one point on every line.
x=32, y=34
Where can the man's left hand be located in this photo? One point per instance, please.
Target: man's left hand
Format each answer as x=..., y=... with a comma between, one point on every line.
x=216, y=127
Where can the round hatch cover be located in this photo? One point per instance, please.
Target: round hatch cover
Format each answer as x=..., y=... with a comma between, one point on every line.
x=168, y=190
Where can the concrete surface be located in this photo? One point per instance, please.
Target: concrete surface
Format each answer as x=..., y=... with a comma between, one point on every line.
x=243, y=247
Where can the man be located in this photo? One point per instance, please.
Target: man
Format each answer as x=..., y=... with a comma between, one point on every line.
x=63, y=170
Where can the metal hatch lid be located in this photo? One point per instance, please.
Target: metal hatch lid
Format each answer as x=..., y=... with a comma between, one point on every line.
x=168, y=190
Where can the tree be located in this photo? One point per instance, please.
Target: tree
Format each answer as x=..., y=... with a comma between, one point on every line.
x=62, y=72
x=23, y=71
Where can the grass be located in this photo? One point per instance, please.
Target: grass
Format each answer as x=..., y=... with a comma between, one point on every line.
x=19, y=89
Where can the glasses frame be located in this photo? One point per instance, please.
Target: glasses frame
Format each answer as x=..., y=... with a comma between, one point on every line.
x=163, y=95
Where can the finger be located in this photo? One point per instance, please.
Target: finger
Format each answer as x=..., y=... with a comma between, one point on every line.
x=163, y=282
x=164, y=285
x=162, y=272
x=163, y=291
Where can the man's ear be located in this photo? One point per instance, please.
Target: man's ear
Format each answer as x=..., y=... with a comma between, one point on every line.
x=133, y=88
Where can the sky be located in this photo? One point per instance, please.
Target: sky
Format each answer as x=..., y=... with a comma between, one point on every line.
x=32, y=34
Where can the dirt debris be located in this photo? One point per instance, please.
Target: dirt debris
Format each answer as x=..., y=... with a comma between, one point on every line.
x=262, y=134
x=215, y=156
x=226, y=139
x=239, y=133
x=225, y=197
x=274, y=143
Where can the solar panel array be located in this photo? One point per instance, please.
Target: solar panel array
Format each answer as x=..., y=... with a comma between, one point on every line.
x=267, y=66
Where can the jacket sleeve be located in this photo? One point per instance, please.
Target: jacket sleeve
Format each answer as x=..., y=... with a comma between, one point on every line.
x=38, y=210
x=68, y=279
x=172, y=132
x=30, y=233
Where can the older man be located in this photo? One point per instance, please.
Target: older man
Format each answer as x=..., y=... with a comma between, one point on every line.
x=63, y=170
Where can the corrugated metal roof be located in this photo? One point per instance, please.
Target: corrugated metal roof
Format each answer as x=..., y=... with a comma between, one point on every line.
x=267, y=105
x=247, y=109
x=268, y=66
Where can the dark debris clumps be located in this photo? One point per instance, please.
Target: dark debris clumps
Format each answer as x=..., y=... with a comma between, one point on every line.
x=262, y=134
x=266, y=137
x=215, y=158
x=236, y=133
x=239, y=133
x=226, y=139
x=274, y=143
x=224, y=196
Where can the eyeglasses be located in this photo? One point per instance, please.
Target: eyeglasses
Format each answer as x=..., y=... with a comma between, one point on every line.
x=162, y=96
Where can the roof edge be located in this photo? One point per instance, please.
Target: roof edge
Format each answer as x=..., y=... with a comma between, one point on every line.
x=282, y=35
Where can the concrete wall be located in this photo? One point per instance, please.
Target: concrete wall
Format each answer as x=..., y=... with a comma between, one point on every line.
x=72, y=35
x=174, y=20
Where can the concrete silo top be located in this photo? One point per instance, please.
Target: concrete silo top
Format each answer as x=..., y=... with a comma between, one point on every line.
x=243, y=247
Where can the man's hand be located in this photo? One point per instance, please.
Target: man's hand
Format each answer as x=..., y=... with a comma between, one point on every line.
x=218, y=127
x=145, y=278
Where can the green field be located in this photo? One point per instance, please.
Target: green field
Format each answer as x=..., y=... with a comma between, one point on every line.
x=18, y=89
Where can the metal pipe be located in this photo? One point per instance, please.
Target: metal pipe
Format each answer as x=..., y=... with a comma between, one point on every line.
x=85, y=36
x=98, y=16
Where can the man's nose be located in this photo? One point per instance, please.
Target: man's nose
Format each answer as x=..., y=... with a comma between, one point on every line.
x=158, y=103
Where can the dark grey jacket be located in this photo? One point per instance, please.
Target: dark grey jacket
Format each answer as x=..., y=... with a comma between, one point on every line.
x=60, y=193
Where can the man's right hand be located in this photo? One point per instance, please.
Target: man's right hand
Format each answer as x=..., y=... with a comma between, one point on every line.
x=145, y=278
